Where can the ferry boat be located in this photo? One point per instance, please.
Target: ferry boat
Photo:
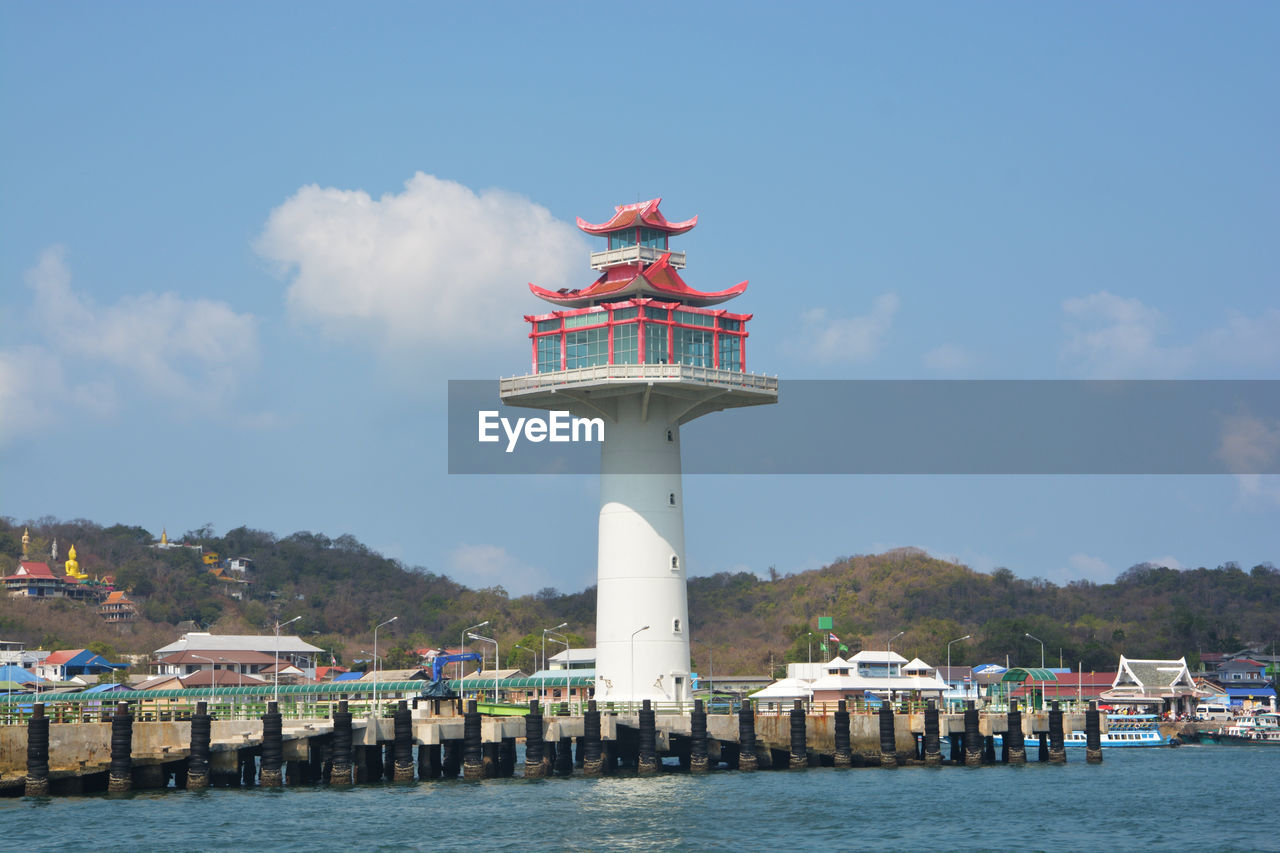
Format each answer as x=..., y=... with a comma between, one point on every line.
x=1128, y=730
x=1258, y=730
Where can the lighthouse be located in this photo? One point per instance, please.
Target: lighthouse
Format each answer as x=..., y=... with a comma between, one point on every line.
x=646, y=353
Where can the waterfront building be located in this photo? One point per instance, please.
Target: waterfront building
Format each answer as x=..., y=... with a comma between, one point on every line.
x=63, y=665
x=293, y=649
x=647, y=353
x=1159, y=686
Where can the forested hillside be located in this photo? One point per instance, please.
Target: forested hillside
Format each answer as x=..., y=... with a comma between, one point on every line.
x=740, y=623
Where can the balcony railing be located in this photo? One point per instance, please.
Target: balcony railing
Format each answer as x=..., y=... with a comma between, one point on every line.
x=628, y=373
x=633, y=255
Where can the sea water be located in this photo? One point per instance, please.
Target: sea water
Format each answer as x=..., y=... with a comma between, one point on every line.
x=1203, y=797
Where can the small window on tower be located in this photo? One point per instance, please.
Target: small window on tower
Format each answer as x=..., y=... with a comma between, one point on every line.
x=675, y=625
x=675, y=562
x=670, y=437
x=671, y=499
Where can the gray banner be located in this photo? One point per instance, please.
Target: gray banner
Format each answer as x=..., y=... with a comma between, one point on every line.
x=924, y=427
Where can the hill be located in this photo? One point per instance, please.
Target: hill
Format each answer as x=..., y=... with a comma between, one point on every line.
x=740, y=622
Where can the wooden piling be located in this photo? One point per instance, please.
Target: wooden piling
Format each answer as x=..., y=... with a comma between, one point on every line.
x=271, y=775
x=932, y=745
x=198, y=756
x=402, y=769
x=1057, y=748
x=747, y=760
x=1092, y=735
x=592, y=757
x=972, y=737
x=699, y=759
x=340, y=774
x=535, y=765
x=647, y=761
x=799, y=755
x=120, y=771
x=1015, y=745
x=472, y=748
x=37, y=781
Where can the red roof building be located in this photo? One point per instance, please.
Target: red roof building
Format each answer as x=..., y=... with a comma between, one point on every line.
x=34, y=580
x=640, y=310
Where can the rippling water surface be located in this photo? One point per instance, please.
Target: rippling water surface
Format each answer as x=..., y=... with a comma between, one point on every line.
x=1209, y=798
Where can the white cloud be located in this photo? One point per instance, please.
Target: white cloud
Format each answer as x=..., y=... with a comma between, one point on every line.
x=492, y=565
x=435, y=264
x=948, y=358
x=1249, y=445
x=189, y=351
x=831, y=339
x=1108, y=336
x=1085, y=567
x=1168, y=563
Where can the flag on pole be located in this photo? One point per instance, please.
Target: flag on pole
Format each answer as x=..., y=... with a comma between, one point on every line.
x=832, y=637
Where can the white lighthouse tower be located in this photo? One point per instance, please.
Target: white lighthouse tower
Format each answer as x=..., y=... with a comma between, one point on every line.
x=647, y=353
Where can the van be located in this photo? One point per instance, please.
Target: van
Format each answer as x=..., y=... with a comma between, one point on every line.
x=1209, y=713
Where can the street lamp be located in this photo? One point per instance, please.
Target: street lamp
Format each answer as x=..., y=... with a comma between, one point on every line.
x=633, y=660
x=887, y=670
x=546, y=631
x=1041, y=642
x=280, y=625
x=212, y=667
x=462, y=647
x=533, y=652
x=375, y=661
x=495, y=662
x=956, y=640
x=810, y=647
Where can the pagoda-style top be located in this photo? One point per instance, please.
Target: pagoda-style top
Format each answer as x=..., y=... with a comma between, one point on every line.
x=638, y=215
x=637, y=262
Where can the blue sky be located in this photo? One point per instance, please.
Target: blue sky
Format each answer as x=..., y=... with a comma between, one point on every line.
x=244, y=246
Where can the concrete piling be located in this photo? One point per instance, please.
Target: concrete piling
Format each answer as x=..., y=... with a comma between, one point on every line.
x=592, y=758
x=747, y=759
x=699, y=759
x=507, y=757
x=932, y=747
x=340, y=774
x=1043, y=752
x=647, y=762
x=37, y=781
x=972, y=737
x=472, y=749
x=562, y=760
x=1014, y=742
x=799, y=756
x=1092, y=735
x=403, y=746
x=271, y=775
x=535, y=765
x=1057, y=747
x=198, y=755
x=888, y=737
x=120, y=771
x=451, y=760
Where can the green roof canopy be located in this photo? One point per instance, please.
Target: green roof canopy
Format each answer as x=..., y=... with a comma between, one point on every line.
x=1019, y=673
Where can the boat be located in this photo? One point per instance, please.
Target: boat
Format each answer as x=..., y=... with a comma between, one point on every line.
x=1127, y=730
x=1258, y=730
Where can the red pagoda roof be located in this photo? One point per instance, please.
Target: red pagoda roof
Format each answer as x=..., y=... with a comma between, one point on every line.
x=659, y=279
x=642, y=213
x=30, y=569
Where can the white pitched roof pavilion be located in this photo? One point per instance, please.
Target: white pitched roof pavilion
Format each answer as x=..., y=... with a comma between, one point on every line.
x=200, y=642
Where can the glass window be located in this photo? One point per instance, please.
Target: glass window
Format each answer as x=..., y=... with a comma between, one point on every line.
x=548, y=325
x=548, y=353
x=655, y=344
x=657, y=313
x=690, y=318
x=692, y=346
x=730, y=325
x=653, y=238
x=730, y=352
x=625, y=313
x=591, y=318
x=586, y=348
x=621, y=239
x=626, y=343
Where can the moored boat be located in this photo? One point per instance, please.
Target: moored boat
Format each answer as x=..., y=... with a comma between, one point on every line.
x=1129, y=730
x=1258, y=730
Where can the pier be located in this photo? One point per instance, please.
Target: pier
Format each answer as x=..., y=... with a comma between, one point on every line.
x=125, y=741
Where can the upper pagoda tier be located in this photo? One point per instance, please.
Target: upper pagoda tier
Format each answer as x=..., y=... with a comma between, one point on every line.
x=637, y=262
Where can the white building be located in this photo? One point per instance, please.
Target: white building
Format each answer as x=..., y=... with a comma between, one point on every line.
x=235, y=653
